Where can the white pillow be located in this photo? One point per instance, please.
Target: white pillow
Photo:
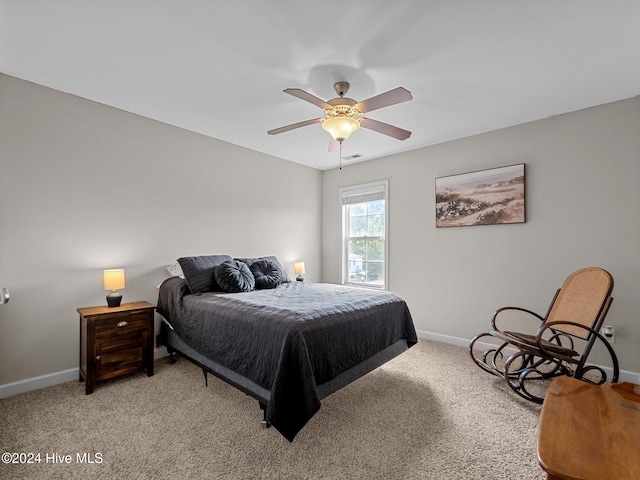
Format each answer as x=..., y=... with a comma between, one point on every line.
x=175, y=270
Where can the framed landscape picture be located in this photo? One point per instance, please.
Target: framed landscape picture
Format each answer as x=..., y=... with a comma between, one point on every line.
x=486, y=197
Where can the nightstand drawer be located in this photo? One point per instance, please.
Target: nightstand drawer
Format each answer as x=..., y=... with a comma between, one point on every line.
x=121, y=342
x=121, y=324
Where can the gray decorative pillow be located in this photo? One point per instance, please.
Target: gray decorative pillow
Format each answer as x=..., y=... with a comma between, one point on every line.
x=266, y=273
x=234, y=277
x=271, y=258
x=199, y=272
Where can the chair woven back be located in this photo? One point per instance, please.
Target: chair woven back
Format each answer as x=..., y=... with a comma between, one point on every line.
x=581, y=300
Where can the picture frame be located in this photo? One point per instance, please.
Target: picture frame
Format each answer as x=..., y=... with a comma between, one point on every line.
x=484, y=197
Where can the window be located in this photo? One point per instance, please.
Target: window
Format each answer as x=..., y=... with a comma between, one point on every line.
x=364, y=220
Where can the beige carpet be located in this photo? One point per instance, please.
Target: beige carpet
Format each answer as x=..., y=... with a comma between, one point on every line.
x=428, y=414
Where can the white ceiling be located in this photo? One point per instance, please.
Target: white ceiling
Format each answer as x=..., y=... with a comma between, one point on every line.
x=218, y=67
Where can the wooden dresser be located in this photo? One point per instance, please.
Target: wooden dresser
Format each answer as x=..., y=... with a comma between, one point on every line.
x=115, y=341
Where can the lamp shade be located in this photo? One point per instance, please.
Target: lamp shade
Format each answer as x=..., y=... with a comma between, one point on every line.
x=299, y=268
x=340, y=127
x=113, y=279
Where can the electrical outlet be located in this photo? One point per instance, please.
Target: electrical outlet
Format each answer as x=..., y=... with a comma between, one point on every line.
x=609, y=333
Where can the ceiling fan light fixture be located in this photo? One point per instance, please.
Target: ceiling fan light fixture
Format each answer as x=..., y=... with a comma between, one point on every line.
x=340, y=127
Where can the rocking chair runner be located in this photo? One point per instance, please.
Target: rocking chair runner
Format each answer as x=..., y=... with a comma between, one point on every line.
x=574, y=318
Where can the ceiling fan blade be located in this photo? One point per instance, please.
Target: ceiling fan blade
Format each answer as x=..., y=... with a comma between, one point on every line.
x=307, y=97
x=286, y=128
x=385, y=128
x=334, y=145
x=397, y=95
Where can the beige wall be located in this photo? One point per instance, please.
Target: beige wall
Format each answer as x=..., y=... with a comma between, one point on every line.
x=85, y=187
x=583, y=209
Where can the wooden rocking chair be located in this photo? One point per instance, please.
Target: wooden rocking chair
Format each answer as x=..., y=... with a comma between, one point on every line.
x=562, y=343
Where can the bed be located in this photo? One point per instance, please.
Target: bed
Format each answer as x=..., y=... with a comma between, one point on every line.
x=288, y=345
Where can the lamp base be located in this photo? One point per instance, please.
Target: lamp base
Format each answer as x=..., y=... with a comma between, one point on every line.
x=300, y=278
x=114, y=299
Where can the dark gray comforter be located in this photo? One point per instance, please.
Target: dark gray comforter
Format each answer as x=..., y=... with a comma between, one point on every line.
x=290, y=339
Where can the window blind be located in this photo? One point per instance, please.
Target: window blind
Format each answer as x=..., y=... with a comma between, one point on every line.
x=363, y=195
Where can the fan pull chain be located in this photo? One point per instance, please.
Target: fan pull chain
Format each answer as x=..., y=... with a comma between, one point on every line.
x=340, y=155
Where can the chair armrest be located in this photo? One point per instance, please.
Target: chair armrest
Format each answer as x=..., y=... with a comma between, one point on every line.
x=500, y=310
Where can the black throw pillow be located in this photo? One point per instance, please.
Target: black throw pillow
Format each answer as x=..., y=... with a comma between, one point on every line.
x=271, y=258
x=234, y=277
x=266, y=273
x=199, y=272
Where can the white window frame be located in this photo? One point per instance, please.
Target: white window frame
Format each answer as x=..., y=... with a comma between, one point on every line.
x=354, y=191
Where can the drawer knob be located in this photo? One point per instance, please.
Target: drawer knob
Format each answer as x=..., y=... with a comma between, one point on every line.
x=97, y=357
x=123, y=323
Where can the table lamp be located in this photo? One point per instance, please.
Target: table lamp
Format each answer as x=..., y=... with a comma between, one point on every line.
x=113, y=281
x=299, y=269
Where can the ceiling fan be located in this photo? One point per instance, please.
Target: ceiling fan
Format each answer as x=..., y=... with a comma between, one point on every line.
x=343, y=115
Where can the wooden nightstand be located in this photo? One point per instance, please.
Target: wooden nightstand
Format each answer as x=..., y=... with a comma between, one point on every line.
x=115, y=341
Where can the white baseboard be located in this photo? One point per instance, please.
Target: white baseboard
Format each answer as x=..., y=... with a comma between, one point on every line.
x=625, y=375
x=160, y=352
x=438, y=337
x=23, y=386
